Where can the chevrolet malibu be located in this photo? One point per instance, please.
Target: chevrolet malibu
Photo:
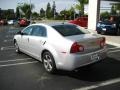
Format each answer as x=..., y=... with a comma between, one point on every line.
x=60, y=46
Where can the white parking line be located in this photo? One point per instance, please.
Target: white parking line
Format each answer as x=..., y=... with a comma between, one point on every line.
x=7, y=65
x=105, y=83
x=113, y=48
x=8, y=40
x=7, y=48
x=7, y=36
x=15, y=60
x=113, y=51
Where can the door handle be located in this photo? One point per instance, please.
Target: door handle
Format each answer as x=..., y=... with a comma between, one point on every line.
x=42, y=42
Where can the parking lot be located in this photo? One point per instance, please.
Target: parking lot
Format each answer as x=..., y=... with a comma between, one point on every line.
x=21, y=72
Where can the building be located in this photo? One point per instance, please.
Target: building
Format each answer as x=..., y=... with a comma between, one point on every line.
x=7, y=14
x=93, y=13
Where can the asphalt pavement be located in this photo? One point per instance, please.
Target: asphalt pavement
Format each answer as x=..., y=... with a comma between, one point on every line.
x=21, y=72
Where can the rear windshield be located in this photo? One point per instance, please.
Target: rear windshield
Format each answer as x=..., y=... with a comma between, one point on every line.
x=69, y=30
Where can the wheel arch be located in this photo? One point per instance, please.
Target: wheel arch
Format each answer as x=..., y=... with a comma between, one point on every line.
x=46, y=50
x=53, y=53
x=14, y=40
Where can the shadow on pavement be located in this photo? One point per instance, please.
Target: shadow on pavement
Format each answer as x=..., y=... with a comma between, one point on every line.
x=105, y=70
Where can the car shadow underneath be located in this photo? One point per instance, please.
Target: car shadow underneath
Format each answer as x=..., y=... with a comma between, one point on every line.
x=105, y=70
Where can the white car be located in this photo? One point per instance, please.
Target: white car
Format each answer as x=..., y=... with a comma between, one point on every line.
x=60, y=46
x=11, y=22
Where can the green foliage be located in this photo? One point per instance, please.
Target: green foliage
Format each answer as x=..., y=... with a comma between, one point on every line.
x=113, y=11
x=118, y=6
x=8, y=14
x=42, y=13
x=53, y=12
x=80, y=6
x=35, y=15
x=48, y=11
x=105, y=15
x=67, y=14
x=26, y=10
x=71, y=13
x=17, y=13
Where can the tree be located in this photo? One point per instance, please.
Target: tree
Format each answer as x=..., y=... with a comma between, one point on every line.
x=42, y=13
x=26, y=10
x=8, y=14
x=35, y=15
x=113, y=11
x=48, y=11
x=17, y=13
x=71, y=12
x=65, y=14
x=105, y=15
x=53, y=9
x=118, y=8
x=81, y=5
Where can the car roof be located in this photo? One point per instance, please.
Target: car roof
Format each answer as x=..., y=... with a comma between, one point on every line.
x=53, y=23
x=58, y=23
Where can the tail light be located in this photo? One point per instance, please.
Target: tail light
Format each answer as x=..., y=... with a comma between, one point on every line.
x=76, y=48
x=102, y=42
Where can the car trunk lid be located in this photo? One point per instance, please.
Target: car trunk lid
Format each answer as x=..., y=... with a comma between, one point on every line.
x=91, y=42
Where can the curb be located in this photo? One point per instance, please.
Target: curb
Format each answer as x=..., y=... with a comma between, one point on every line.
x=112, y=43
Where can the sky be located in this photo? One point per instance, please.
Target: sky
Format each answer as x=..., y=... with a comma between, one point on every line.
x=61, y=4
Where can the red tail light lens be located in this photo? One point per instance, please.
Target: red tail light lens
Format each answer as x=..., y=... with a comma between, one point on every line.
x=76, y=48
x=102, y=42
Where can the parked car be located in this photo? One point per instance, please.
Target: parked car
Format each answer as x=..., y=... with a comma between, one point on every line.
x=106, y=27
x=3, y=22
x=11, y=22
x=81, y=21
x=60, y=46
x=23, y=22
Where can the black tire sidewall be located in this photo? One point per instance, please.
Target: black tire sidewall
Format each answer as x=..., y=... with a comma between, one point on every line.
x=53, y=62
x=103, y=32
x=18, y=50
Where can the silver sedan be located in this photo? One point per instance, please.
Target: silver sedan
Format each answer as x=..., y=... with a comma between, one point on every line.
x=60, y=46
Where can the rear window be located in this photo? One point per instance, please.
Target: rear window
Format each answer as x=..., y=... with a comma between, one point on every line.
x=69, y=30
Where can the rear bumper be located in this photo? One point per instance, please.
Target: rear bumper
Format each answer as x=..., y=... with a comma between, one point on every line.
x=73, y=61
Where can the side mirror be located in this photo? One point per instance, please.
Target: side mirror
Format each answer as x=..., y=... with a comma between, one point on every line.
x=20, y=33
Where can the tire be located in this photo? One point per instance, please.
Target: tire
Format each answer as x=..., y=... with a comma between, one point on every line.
x=118, y=32
x=98, y=32
x=48, y=62
x=17, y=50
x=102, y=32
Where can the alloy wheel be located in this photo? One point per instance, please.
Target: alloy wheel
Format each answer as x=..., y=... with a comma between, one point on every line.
x=48, y=62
